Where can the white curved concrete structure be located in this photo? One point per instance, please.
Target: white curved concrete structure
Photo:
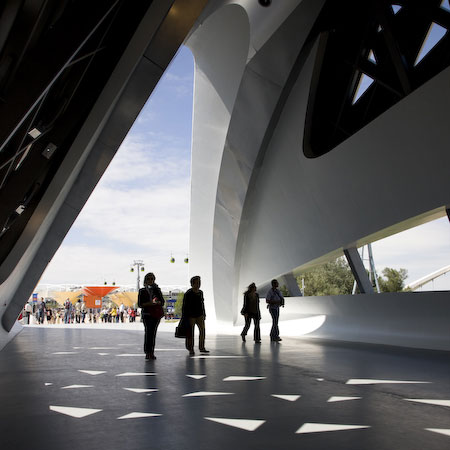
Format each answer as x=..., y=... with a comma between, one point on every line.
x=288, y=169
x=260, y=207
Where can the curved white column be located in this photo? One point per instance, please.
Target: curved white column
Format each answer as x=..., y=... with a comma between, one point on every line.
x=220, y=58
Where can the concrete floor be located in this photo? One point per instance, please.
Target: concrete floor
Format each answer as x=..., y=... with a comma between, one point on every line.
x=302, y=388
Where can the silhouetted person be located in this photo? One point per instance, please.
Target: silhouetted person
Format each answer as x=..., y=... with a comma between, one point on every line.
x=78, y=311
x=150, y=300
x=28, y=312
x=194, y=311
x=274, y=300
x=42, y=311
x=250, y=311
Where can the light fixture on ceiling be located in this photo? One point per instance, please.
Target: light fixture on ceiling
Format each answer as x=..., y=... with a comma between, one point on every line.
x=35, y=133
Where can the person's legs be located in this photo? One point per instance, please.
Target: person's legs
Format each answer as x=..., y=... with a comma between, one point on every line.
x=190, y=335
x=274, y=332
x=201, y=327
x=248, y=321
x=147, y=332
x=256, y=332
x=152, y=336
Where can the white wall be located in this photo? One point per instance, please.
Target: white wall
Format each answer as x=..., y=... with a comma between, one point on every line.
x=407, y=319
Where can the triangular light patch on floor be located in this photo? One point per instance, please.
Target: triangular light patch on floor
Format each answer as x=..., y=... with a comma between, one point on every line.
x=135, y=374
x=243, y=424
x=370, y=381
x=217, y=357
x=77, y=386
x=102, y=348
x=196, y=377
x=429, y=401
x=92, y=372
x=78, y=413
x=237, y=378
x=289, y=398
x=338, y=398
x=138, y=415
x=444, y=431
x=140, y=391
x=323, y=427
x=206, y=394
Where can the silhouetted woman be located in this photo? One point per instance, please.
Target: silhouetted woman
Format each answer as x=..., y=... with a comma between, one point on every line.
x=250, y=311
x=151, y=301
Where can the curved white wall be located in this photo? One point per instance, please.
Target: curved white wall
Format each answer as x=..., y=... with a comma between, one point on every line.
x=220, y=58
x=259, y=207
x=394, y=169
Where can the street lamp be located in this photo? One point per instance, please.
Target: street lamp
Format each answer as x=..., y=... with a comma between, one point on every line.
x=140, y=268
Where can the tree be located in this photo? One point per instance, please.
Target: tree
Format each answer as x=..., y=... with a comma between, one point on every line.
x=178, y=304
x=393, y=280
x=331, y=278
x=285, y=291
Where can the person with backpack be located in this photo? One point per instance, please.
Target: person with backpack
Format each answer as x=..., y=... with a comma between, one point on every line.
x=274, y=300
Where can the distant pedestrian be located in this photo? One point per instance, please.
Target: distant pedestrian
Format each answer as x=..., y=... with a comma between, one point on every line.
x=250, y=310
x=194, y=310
x=78, y=311
x=28, y=312
x=83, y=311
x=41, y=311
x=274, y=300
x=67, y=310
x=151, y=301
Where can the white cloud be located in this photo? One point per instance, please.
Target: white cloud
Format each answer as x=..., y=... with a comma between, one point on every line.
x=154, y=218
x=90, y=264
x=139, y=210
x=149, y=157
x=420, y=250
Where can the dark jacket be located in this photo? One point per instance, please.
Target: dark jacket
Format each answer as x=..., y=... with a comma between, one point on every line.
x=245, y=308
x=193, y=304
x=145, y=298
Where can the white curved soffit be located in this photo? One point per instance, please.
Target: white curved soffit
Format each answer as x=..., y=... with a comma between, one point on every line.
x=220, y=57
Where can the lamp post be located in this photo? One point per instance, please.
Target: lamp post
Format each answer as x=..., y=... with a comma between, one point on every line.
x=140, y=268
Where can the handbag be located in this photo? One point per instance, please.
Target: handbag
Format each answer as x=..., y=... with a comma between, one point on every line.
x=156, y=311
x=183, y=328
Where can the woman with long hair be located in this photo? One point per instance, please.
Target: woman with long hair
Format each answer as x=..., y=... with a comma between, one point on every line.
x=250, y=311
x=151, y=301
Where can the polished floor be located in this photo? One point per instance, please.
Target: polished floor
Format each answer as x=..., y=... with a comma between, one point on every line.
x=70, y=388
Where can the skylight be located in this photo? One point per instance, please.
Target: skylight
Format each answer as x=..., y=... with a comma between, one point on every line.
x=363, y=84
x=396, y=8
x=371, y=57
x=434, y=35
x=445, y=5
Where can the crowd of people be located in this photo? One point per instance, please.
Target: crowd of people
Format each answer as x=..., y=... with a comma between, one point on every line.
x=150, y=310
x=41, y=312
x=151, y=300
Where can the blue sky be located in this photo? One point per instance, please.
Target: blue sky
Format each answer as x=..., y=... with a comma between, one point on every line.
x=140, y=208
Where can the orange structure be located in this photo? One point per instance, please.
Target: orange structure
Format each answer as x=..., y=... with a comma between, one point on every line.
x=93, y=295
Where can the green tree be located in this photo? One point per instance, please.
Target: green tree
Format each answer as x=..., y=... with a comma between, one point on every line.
x=331, y=278
x=285, y=291
x=392, y=280
x=179, y=304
